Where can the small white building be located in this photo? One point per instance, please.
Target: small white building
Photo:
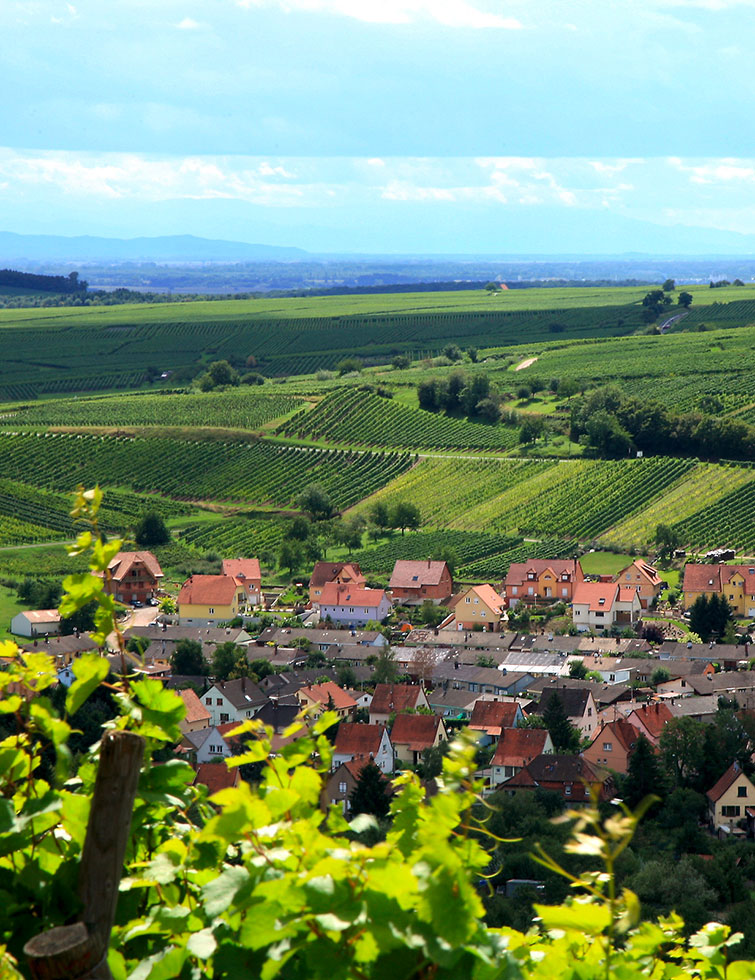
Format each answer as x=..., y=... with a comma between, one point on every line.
x=36, y=622
x=602, y=605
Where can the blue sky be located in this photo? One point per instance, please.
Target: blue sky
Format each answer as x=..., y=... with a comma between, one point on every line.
x=383, y=125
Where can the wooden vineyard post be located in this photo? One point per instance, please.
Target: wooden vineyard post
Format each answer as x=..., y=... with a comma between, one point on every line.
x=79, y=951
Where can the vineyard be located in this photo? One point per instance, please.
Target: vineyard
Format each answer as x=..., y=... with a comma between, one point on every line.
x=238, y=408
x=258, y=472
x=727, y=522
x=362, y=418
x=235, y=537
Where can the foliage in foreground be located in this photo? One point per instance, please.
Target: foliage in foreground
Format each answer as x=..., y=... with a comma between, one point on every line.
x=258, y=881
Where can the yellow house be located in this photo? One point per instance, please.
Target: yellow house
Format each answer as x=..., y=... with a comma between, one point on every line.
x=206, y=600
x=735, y=582
x=729, y=799
x=478, y=606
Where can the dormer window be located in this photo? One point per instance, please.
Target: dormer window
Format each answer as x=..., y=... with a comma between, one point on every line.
x=601, y=601
x=530, y=575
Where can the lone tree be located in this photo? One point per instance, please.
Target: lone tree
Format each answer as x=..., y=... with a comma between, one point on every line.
x=666, y=540
x=405, y=515
x=684, y=299
x=188, y=658
x=372, y=793
x=317, y=502
x=151, y=530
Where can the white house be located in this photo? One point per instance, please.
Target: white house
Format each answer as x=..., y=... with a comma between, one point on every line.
x=601, y=605
x=352, y=606
x=234, y=700
x=362, y=743
x=35, y=622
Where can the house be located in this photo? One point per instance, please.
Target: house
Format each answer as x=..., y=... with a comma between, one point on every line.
x=247, y=573
x=735, y=582
x=644, y=579
x=542, y=579
x=452, y=703
x=64, y=648
x=414, y=582
x=36, y=622
x=341, y=783
x=728, y=799
x=490, y=718
x=481, y=680
x=412, y=734
x=602, y=605
x=133, y=576
x=206, y=600
x=390, y=699
x=363, y=742
x=234, y=700
x=216, y=776
x=650, y=719
x=327, y=697
x=571, y=776
x=478, y=607
x=612, y=745
x=207, y=744
x=353, y=606
x=326, y=572
x=197, y=714
x=324, y=640
x=516, y=748
x=579, y=706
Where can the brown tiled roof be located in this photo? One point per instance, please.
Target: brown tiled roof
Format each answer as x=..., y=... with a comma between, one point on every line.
x=485, y=593
x=414, y=574
x=517, y=573
x=207, y=590
x=731, y=775
x=555, y=769
x=591, y=594
x=654, y=717
x=620, y=730
x=702, y=578
x=247, y=569
x=519, y=746
x=394, y=697
x=322, y=693
x=493, y=716
x=415, y=731
x=195, y=710
x=216, y=776
x=121, y=565
x=354, y=739
x=326, y=571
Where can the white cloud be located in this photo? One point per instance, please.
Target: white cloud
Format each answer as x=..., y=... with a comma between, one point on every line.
x=187, y=24
x=722, y=171
x=450, y=13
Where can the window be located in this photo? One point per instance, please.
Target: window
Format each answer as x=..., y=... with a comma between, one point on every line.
x=589, y=712
x=741, y=791
x=218, y=701
x=600, y=615
x=729, y=811
x=224, y=718
x=482, y=612
x=469, y=600
x=530, y=575
x=211, y=610
x=530, y=591
x=208, y=701
x=608, y=746
x=567, y=790
x=514, y=590
x=564, y=591
x=342, y=787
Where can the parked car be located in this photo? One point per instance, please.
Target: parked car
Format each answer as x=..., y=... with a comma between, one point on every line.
x=137, y=605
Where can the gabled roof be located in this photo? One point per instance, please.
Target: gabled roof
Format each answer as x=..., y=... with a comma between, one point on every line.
x=121, y=565
x=493, y=716
x=241, y=692
x=417, y=732
x=358, y=740
x=702, y=578
x=620, y=731
x=726, y=781
x=207, y=590
x=574, y=700
x=555, y=769
x=41, y=615
x=415, y=574
x=653, y=717
x=394, y=697
x=485, y=593
x=647, y=571
x=598, y=596
x=517, y=573
x=195, y=710
x=216, y=776
x=519, y=746
x=323, y=693
x=334, y=594
x=246, y=569
x=327, y=571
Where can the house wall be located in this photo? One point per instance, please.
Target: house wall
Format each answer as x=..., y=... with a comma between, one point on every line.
x=436, y=594
x=138, y=585
x=222, y=710
x=213, y=747
x=337, y=789
x=383, y=758
x=206, y=615
x=608, y=752
x=730, y=808
x=405, y=754
x=355, y=615
x=472, y=611
x=633, y=578
x=20, y=626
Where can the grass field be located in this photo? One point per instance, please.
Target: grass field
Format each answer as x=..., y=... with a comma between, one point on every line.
x=604, y=562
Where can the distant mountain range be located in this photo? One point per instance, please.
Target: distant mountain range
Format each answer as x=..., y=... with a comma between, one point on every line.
x=18, y=249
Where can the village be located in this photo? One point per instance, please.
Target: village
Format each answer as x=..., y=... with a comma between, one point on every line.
x=562, y=712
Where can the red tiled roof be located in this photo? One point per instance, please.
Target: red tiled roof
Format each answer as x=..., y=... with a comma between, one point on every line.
x=653, y=717
x=417, y=732
x=216, y=776
x=394, y=697
x=485, y=593
x=247, y=569
x=195, y=710
x=493, y=716
x=334, y=594
x=731, y=775
x=207, y=590
x=415, y=574
x=517, y=573
x=519, y=746
x=621, y=731
x=355, y=739
x=322, y=693
x=702, y=578
x=121, y=565
x=327, y=571
x=591, y=594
